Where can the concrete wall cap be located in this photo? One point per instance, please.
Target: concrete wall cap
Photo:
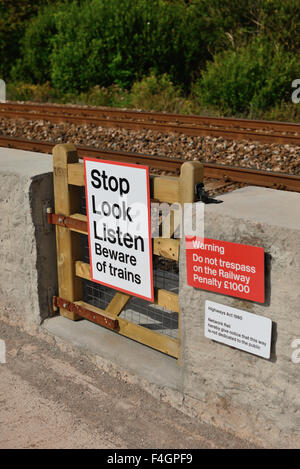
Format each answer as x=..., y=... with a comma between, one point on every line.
x=267, y=206
x=24, y=163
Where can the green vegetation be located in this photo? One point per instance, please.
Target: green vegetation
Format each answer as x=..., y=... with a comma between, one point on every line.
x=14, y=18
x=198, y=56
x=248, y=79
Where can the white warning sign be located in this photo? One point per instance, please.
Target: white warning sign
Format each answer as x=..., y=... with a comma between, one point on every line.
x=238, y=328
x=118, y=210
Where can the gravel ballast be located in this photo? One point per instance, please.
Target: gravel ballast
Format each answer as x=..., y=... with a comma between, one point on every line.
x=256, y=155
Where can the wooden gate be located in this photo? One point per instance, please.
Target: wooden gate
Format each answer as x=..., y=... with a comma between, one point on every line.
x=68, y=174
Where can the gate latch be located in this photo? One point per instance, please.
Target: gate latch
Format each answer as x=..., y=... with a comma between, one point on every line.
x=201, y=195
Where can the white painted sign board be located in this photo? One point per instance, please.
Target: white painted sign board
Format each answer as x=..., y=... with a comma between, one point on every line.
x=118, y=210
x=238, y=328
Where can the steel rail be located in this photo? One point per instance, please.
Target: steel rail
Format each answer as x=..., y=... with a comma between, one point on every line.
x=215, y=171
x=107, y=113
x=158, y=162
x=234, y=132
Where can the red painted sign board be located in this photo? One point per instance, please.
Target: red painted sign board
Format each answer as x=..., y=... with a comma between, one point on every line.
x=228, y=268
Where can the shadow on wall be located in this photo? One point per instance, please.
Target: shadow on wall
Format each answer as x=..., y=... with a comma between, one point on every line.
x=45, y=243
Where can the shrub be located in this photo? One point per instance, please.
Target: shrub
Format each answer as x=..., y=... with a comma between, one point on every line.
x=285, y=112
x=233, y=23
x=30, y=92
x=253, y=77
x=100, y=42
x=36, y=48
x=156, y=93
x=279, y=21
x=112, y=96
x=14, y=15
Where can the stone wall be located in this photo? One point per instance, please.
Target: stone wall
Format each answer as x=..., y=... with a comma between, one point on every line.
x=27, y=246
x=252, y=396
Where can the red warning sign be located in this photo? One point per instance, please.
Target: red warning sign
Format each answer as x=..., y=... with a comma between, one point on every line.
x=228, y=268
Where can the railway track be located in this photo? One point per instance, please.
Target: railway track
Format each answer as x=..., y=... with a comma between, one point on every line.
x=213, y=171
x=232, y=129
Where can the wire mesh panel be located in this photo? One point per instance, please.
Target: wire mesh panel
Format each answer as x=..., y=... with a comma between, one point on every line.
x=138, y=311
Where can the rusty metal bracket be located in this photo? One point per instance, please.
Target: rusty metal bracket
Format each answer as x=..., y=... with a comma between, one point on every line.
x=80, y=310
x=67, y=222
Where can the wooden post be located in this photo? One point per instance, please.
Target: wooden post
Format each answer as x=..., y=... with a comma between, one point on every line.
x=191, y=173
x=67, y=243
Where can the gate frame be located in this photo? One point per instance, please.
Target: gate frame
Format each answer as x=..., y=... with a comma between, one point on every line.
x=68, y=178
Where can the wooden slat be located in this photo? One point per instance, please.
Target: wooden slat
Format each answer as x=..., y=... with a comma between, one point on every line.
x=168, y=248
x=76, y=174
x=163, y=298
x=162, y=188
x=82, y=270
x=167, y=299
x=165, y=189
x=140, y=334
x=67, y=243
x=118, y=303
x=148, y=337
x=165, y=247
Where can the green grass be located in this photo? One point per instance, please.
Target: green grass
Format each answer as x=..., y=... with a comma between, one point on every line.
x=150, y=94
